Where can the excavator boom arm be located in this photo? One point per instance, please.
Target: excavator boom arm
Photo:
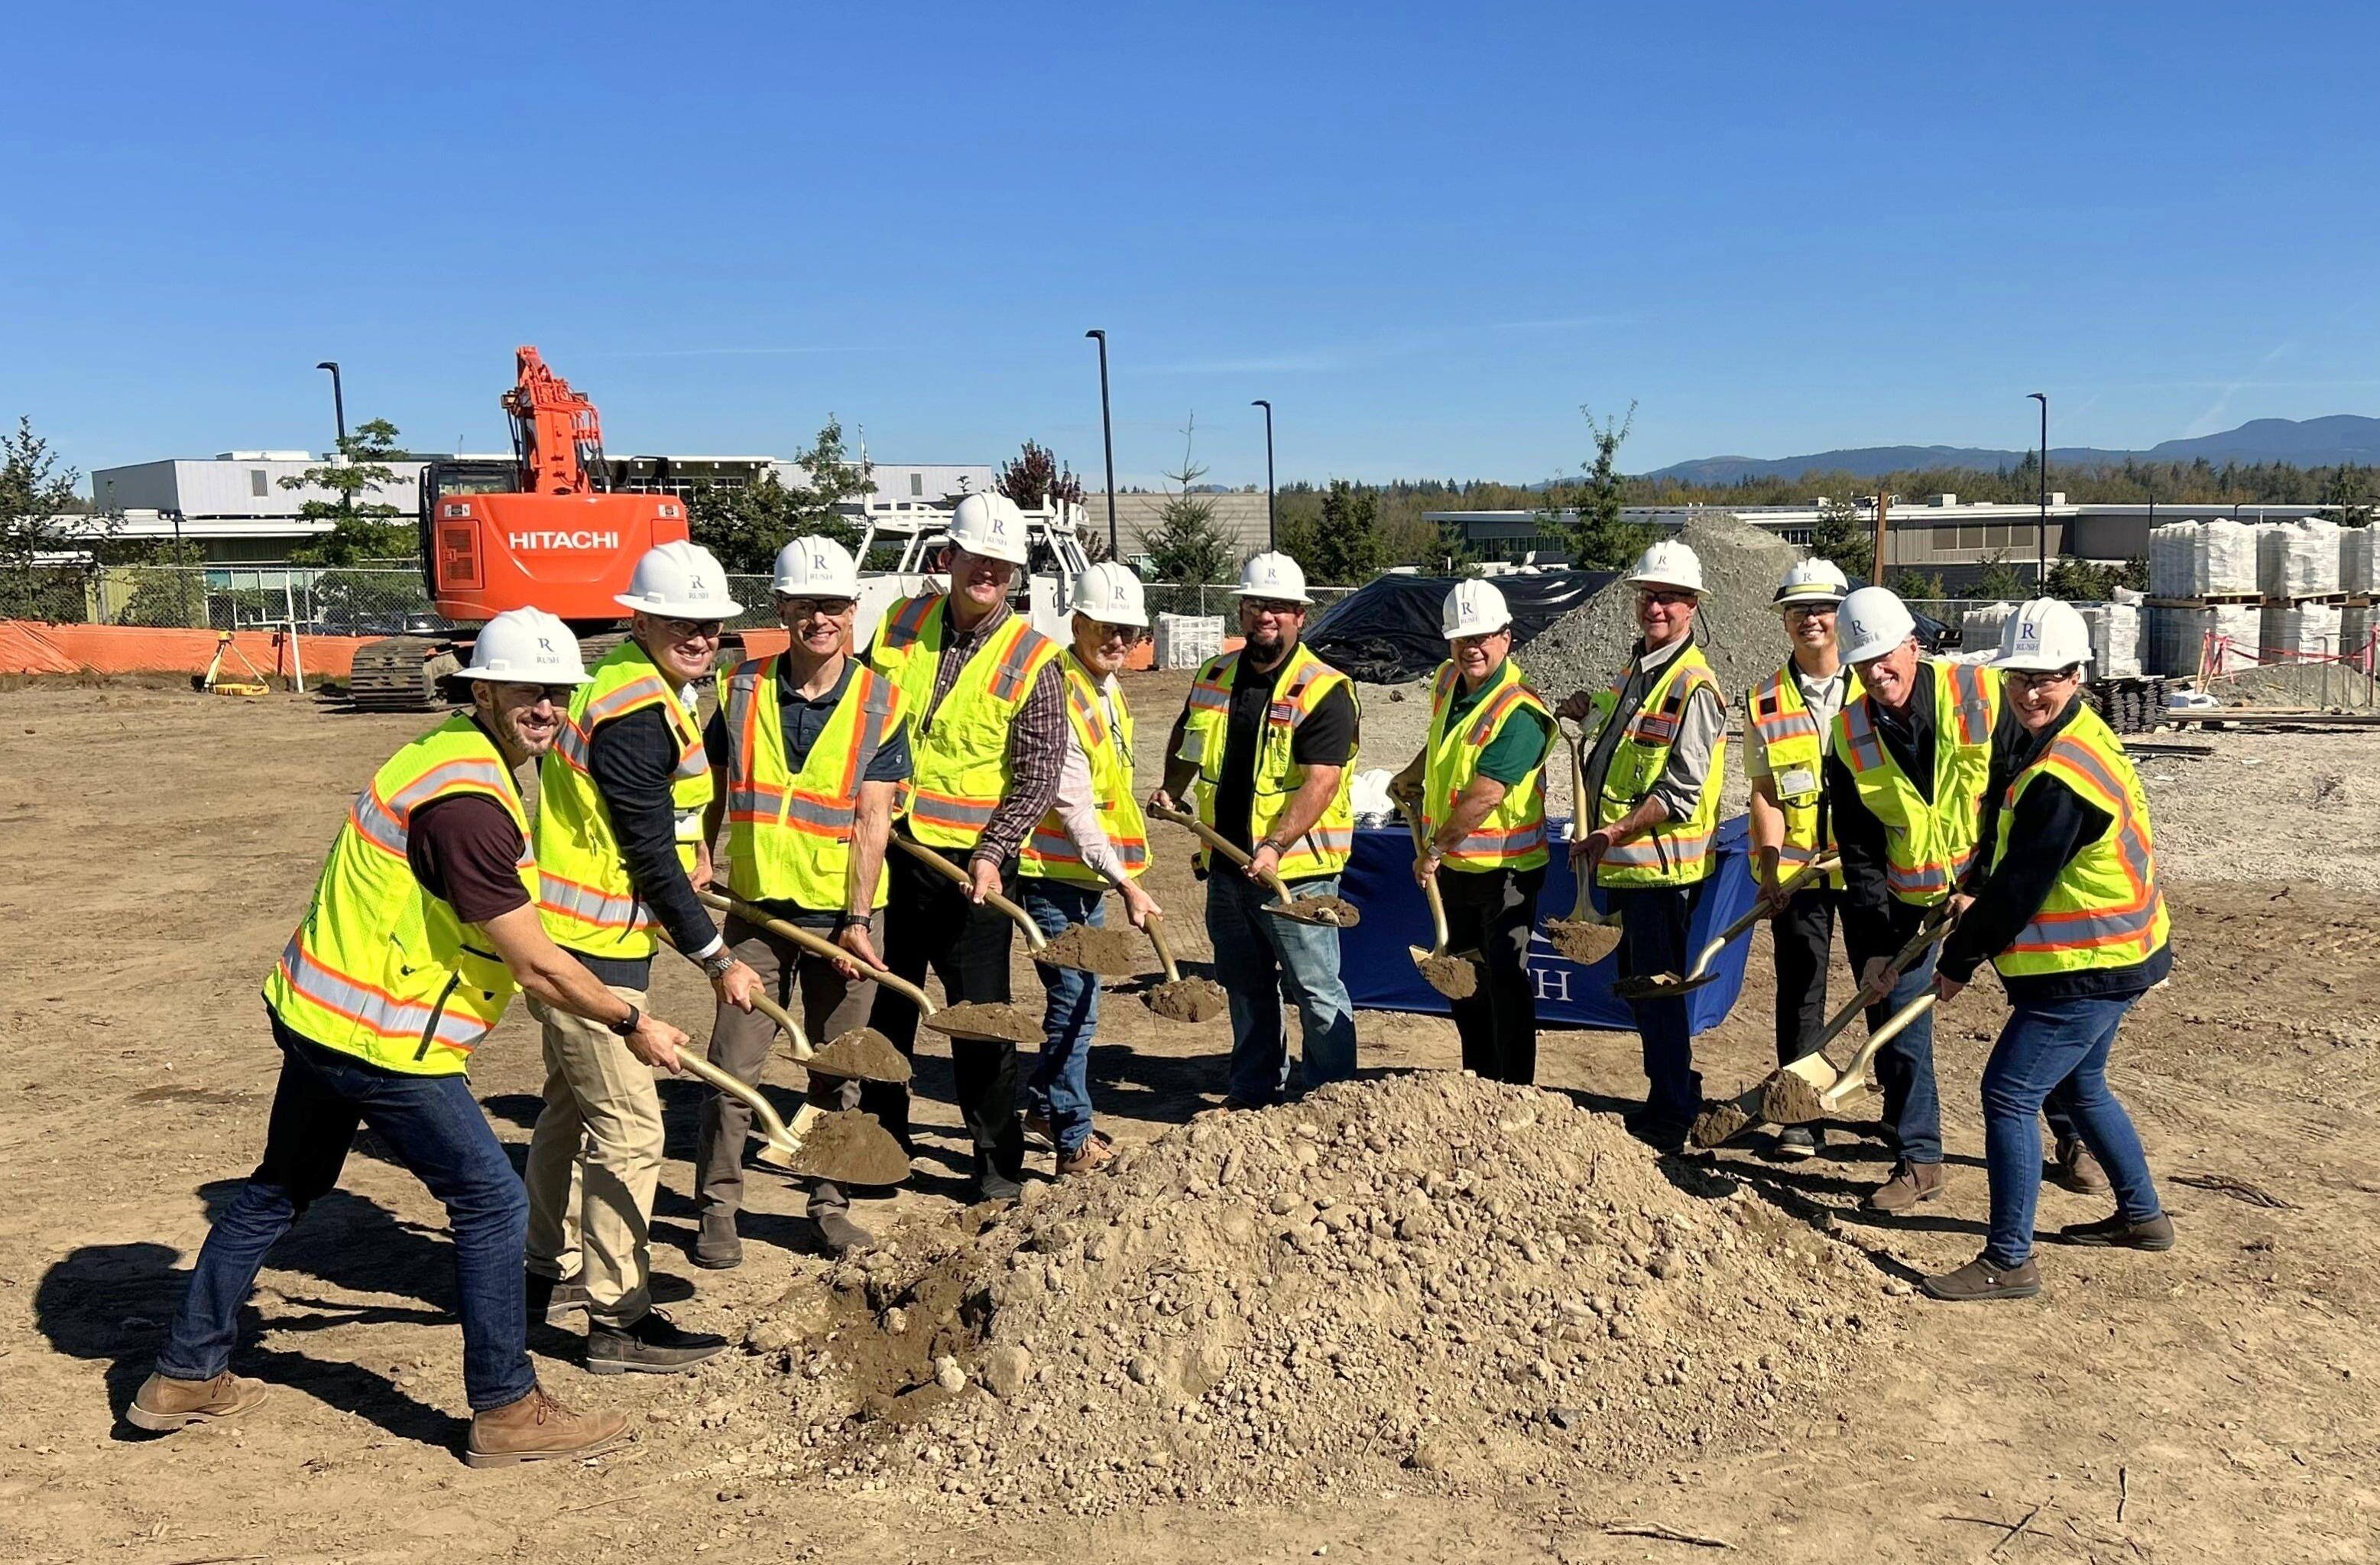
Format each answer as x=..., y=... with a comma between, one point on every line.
x=557, y=435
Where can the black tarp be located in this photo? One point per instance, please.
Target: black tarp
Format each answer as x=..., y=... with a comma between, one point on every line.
x=1388, y=633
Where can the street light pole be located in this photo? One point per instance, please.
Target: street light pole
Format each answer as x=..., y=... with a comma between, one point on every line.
x=2041, y=529
x=1107, y=435
x=1272, y=533
x=338, y=400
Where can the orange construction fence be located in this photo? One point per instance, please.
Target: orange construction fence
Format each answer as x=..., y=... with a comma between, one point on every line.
x=31, y=647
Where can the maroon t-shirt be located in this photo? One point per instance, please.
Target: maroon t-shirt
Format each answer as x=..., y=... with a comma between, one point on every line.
x=466, y=851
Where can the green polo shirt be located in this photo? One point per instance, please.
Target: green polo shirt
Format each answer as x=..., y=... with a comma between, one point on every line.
x=1513, y=753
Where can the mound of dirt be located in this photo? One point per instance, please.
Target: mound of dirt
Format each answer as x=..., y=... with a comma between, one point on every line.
x=1422, y=1280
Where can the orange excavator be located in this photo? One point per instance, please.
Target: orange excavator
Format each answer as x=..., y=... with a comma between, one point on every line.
x=543, y=530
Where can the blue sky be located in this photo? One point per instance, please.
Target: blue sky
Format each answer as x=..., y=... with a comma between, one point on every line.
x=1427, y=233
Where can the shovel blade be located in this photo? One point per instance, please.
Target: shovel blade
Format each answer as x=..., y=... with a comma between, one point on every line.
x=1584, y=941
x=1188, y=999
x=846, y=1146
x=1796, y=1094
x=1661, y=985
x=862, y=1054
x=1331, y=913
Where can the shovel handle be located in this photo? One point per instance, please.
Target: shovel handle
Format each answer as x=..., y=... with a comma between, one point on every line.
x=1585, y=906
x=772, y=1124
x=1936, y=925
x=814, y=945
x=1156, y=927
x=1760, y=908
x=1855, y=1075
x=785, y=1025
x=1429, y=886
x=1034, y=939
x=1220, y=844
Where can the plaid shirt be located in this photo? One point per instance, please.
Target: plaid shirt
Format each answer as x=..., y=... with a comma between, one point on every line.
x=1036, y=745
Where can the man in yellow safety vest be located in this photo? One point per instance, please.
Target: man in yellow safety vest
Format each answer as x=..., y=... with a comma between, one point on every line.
x=808, y=749
x=1093, y=838
x=619, y=842
x=2069, y=913
x=423, y=925
x=1478, y=785
x=987, y=713
x=1652, y=778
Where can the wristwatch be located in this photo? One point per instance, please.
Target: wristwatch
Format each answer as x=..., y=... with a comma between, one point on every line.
x=628, y=1025
x=716, y=964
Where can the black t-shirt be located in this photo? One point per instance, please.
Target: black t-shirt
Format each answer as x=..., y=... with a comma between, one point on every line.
x=1327, y=738
x=466, y=851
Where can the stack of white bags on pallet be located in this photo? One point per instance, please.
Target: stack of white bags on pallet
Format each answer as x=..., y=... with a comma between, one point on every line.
x=2178, y=637
x=2115, y=636
x=2355, y=560
x=1979, y=632
x=2298, y=559
x=2203, y=559
x=2292, y=632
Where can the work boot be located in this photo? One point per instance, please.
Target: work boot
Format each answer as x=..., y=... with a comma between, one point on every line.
x=164, y=1402
x=1036, y=1123
x=1662, y=1132
x=839, y=1233
x=2078, y=1170
x=1794, y=1144
x=1910, y=1184
x=1979, y=1280
x=652, y=1345
x=1092, y=1156
x=537, y=1427
x=2120, y=1232
x=716, y=1245
x=552, y=1302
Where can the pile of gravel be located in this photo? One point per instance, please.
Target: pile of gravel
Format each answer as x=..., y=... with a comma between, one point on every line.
x=1425, y=1280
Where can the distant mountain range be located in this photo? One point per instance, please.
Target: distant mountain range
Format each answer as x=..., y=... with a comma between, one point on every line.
x=2342, y=438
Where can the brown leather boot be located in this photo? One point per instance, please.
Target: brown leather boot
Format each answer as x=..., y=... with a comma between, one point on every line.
x=2078, y=1170
x=1910, y=1184
x=1979, y=1280
x=164, y=1402
x=537, y=1427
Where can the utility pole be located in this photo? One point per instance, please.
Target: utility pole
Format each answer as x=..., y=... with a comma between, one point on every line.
x=339, y=401
x=2041, y=529
x=1272, y=529
x=1107, y=435
x=1875, y=550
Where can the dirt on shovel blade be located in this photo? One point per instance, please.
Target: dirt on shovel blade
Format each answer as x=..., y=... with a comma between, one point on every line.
x=862, y=1053
x=1786, y=1099
x=1321, y=910
x=1190, y=999
x=1455, y=977
x=976, y=1019
x=1718, y=1124
x=1115, y=953
x=850, y=1147
x=1581, y=941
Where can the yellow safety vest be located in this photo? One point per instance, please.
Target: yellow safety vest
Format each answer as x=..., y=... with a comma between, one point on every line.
x=589, y=903
x=1670, y=853
x=2107, y=910
x=1928, y=846
x=959, y=750
x=1297, y=690
x=1050, y=852
x=1796, y=749
x=381, y=968
x=789, y=834
x=1512, y=835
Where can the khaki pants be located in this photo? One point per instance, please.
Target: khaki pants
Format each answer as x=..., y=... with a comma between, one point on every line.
x=594, y=1161
x=830, y=1004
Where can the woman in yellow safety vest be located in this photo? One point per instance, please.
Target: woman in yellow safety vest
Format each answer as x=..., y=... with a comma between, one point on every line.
x=2071, y=915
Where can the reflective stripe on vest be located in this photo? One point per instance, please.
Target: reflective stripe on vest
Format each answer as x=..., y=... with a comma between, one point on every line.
x=1299, y=688
x=960, y=746
x=1051, y=853
x=1512, y=835
x=789, y=836
x=1670, y=853
x=1795, y=748
x=2106, y=908
x=1929, y=843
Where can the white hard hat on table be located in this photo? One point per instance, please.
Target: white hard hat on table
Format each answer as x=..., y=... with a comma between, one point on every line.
x=679, y=581
x=1474, y=608
x=1668, y=564
x=991, y=526
x=1274, y=576
x=525, y=646
x=1112, y=594
x=816, y=567
x=1872, y=622
x=1812, y=581
x=2043, y=636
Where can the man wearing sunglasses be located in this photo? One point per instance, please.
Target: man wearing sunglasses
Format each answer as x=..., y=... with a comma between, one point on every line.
x=809, y=748
x=1657, y=759
x=620, y=845
x=423, y=925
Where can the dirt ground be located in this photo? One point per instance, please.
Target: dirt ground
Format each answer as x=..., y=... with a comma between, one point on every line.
x=156, y=847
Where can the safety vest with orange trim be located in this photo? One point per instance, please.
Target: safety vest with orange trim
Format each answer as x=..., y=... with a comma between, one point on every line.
x=789, y=833
x=1050, y=852
x=380, y=968
x=1512, y=835
x=2106, y=910
x=1672, y=852
x=589, y=903
x=1298, y=690
x=1928, y=845
x=1796, y=750
x=959, y=749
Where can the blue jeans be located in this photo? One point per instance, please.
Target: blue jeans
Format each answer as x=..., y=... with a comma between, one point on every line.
x=434, y=1127
x=1904, y=1068
x=1260, y=957
x=2054, y=1053
x=1060, y=1087
x=1653, y=924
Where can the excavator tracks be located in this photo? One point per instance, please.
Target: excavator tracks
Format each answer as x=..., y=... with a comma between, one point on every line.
x=401, y=674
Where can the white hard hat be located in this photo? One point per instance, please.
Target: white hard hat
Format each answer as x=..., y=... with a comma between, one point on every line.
x=1812, y=581
x=1274, y=576
x=991, y=525
x=816, y=567
x=1668, y=564
x=2043, y=636
x=1872, y=622
x=1112, y=594
x=525, y=646
x=679, y=581
x=1474, y=608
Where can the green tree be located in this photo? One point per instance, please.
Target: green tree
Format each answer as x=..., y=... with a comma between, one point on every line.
x=1926, y=587
x=1843, y=538
x=2350, y=488
x=744, y=528
x=1186, y=546
x=36, y=493
x=1599, y=540
x=1343, y=549
x=361, y=529
x=1998, y=580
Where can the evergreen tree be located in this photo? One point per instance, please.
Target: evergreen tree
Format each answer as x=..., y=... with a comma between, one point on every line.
x=1843, y=537
x=744, y=528
x=1187, y=546
x=361, y=529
